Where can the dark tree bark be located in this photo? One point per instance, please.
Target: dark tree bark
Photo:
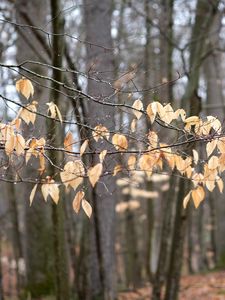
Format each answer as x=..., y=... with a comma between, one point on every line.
x=100, y=65
x=38, y=230
x=203, y=20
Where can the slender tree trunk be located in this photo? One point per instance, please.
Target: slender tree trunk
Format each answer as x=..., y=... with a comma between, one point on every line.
x=203, y=20
x=38, y=230
x=16, y=236
x=56, y=136
x=100, y=62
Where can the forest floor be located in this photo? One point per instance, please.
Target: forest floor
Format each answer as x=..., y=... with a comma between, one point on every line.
x=210, y=286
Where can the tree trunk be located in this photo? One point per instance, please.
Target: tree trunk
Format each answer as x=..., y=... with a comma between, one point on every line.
x=102, y=230
x=38, y=229
x=203, y=20
x=56, y=136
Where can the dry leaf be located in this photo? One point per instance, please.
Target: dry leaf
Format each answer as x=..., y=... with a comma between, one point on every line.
x=28, y=114
x=186, y=200
x=102, y=155
x=68, y=141
x=20, y=144
x=77, y=201
x=219, y=182
x=117, y=169
x=32, y=194
x=50, y=189
x=221, y=144
x=120, y=142
x=152, y=111
x=213, y=162
x=131, y=162
x=100, y=132
x=54, y=111
x=198, y=195
x=195, y=156
x=87, y=208
x=25, y=87
x=210, y=147
x=133, y=125
x=94, y=174
x=137, y=105
x=73, y=174
x=10, y=143
x=83, y=147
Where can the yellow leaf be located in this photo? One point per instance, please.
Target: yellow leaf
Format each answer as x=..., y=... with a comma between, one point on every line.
x=210, y=147
x=131, y=162
x=73, y=174
x=100, y=132
x=169, y=114
x=20, y=144
x=9, y=145
x=153, y=139
x=68, y=141
x=195, y=156
x=193, y=119
x=133, y=125
x=219, y=182
x=25, y=87
x=42, y=163
x=32, y=194
x=197, y=178
x=102, y=155
x=146, y=162
x=83, y=147
x=50, y=189
x=117, y=169
x=120, y=142
x=28, y=114
x=180, y=112
x=138, y=106
x=215, y=123
x=94, y=173
x=54, y=111
x=77, y=201
x=152, y=111
x=222, y=162
x=87, y=208
x=221, y=144
x=186, y=200
x=198, y=195
x=213, y=162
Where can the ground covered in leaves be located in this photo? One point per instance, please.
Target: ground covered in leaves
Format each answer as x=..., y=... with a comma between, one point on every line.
x=195, y=287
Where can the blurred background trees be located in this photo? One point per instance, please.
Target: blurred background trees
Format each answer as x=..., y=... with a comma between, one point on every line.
x=171, y=51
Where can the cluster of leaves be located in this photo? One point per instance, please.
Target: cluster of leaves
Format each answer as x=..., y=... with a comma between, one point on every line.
x=157, y=155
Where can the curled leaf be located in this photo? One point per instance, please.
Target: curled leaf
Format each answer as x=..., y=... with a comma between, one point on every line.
x=25, y=87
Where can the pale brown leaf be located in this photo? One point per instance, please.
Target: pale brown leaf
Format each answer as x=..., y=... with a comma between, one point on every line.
x=77, y=201
x=198, y=195
x=138, y=106
x=86, y=207
x=32, y=194
x=25, y=87
x=83, y=147
x=94, y=173
x=68, y=141
x=120, y=142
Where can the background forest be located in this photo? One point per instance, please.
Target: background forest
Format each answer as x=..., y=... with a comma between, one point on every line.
x=89, y=61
